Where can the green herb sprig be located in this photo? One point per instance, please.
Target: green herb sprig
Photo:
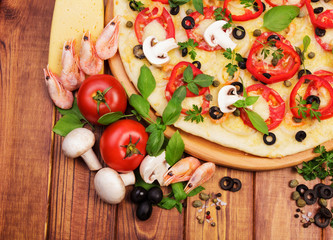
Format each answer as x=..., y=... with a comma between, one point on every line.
x=248, y=3
x=233, y=56
x=190, y=45
x=202, y=80
x=198, y=4
x=194, y=115
x=303, y=107
x=137, y=5
x=268, y=49
x=306, y=43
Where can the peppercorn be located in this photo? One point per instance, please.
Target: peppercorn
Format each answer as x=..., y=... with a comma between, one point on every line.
x=203, y=196
x=216, y=83
x=293, y=183
x=129, y=24
x=213, y=224
x=218, y=195
x=218, y=208
x=298, y=210
x=189, y=11
x=305, y=225
x=311, y=55
x=197, y=203
x=208, y=217
x=256, y=33
x=300, y=202
x=208, y=212
x=287, y=83
x=322, y=202
x=296, y=216
x=295, y=195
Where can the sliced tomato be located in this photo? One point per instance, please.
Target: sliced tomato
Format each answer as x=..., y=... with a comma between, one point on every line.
x=263, y=39
x=325, y=45
x=275, y=103
x=315, y=84
x=275, y=3
x=162, y=1
x=326, y=75
x=248, y=14
x=146, y=16
x=322, y=20
x=176, y=80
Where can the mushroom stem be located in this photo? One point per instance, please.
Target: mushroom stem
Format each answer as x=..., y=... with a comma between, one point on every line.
x=128, y=178
x=91, y=160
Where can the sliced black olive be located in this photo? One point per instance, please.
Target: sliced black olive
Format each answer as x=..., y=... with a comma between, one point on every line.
x=310, y=197
x=138, y=194
x=325, y=212
x=237, y=185
x=318, y=10
x=239, y=87
x=312, y=98
x=326, y=192
x=269, y=139
x=263, y=83
x=321, y=221
x=256, y=8
x=263, y=7
x=273, y=37
x=155, y=195
x=320, y=32
x=174, y=10
x=144, y=210
x=184, y=52
x=302, y=72
x=242, y=64
x=300, y=136
x=138, y=52
x=317, y=187
x=197, y=64
x=133, y=5
x=215, y=113
x=238, y=32
x=314, y=0
x=188, y=22
x=301, y=189
x=266, y=75
x=226, y=183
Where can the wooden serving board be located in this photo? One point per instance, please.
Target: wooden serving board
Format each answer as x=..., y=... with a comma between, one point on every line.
x=204, y=149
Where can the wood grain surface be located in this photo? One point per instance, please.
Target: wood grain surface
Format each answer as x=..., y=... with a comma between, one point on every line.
x=44, y=195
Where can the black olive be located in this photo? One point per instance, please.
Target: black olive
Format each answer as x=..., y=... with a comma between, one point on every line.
x=318, y=10
x=197, y=64
x=326, y=192
x=239, y=87
x=236, y=186
x=256, y=8
x=302, y=72
x=301, y=189
x=226, y=183
x=155, y=195
x=266, y=75
x=263, y=83
x=314, y=0
x=138, y=52
x=321, y=221
x=317, y=187
x=310, y=197
x=325, y=212
x=215, y=112
x=312, y=98
x=174, y=10
x=138, y=194
x=263, y=7
x=300, y=136
x=144, y=210
x=320, y=32
x=273, y=37
x=184, y=52
x=133, y=5
x=238, y=32
x=188, y=22
x=242, y=64
x=269, y=139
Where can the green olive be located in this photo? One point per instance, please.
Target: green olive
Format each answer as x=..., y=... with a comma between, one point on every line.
x=257, y=33
x=300, y=202
x=311, y=55
x=295, y=195
x=216, y=83
x=293, y=183
x=129, y=24
x=197, y=203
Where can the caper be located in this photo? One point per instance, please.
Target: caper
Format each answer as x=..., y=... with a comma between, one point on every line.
x=200, y=221
x=322, y=202
x=203, y=196
x=214, y=200
x=129, y=24
x=275, y=61
x=257, y=33
x=197, y=203
x=295, y=195
x=287, y=83
x=311, y=55
x=209, y=97
x=311, y=220
x=189, y=11
x=216, y=83
x=293, y=183
x=236, y=113
x=213, y=224
x=297, y=120
x=300, y=202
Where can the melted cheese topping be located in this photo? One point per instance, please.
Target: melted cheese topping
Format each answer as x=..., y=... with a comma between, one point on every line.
x=154, y=29
x=261, y=107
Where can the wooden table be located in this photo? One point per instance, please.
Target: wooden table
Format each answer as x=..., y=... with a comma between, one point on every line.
x=45, y=195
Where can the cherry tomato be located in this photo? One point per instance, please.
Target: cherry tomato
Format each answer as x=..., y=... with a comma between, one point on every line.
x=95, y=89
x=123, y=145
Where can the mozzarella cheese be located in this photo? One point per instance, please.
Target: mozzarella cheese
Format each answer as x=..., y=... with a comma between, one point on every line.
x=154, y=29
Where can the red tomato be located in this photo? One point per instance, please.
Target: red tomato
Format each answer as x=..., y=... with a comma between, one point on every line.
x=162, y=1
x=123, y=145
x=323, y=20
x=275, y=103
x=275, y=3
x=93, y=87
x=326, y=75
x=248, y=14
x=145, y=17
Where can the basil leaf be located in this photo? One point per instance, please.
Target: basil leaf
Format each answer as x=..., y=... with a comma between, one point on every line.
x=251, y=100
x=174, y=149
x=172, y=111
x=178, y=191
x=109, y=118
x=155, y=142
x=74, y=110
x=167, y=203
x=306, y=43
x=239, y=104
x=179, y=207
x=195, y=191
x=203, y=80
x=193, y=88
x=198, y=5
x=257, y=121
x=140, y=183
x=175, y=3
x=67, y=123
x=180, y=93
x=146, y=82
x=278, y=18
x=140, y=105
x=188, y=74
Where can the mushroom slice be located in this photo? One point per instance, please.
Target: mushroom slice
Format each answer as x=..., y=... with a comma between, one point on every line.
x=157, y=52
x=227, y=97
x=215, y=35
x=153, y=168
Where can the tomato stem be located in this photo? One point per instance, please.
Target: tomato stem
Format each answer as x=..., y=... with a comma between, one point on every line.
x=100, y=98
x=131, y=148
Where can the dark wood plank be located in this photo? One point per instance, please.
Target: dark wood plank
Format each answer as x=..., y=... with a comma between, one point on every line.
x=26, y=118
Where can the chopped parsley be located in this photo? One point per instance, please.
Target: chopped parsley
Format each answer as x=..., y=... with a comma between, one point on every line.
x=194, y=114
x=233, y=56
x=304, y=107
x=190, y=45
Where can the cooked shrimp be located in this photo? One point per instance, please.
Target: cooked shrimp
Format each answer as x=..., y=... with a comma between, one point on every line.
x=71, y=75
x=107, y=42
x=60, y=96
x=90, y=63
x=201, y=175
x=181, y=171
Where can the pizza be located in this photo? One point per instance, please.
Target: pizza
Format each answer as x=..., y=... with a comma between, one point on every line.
x=258, y=74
